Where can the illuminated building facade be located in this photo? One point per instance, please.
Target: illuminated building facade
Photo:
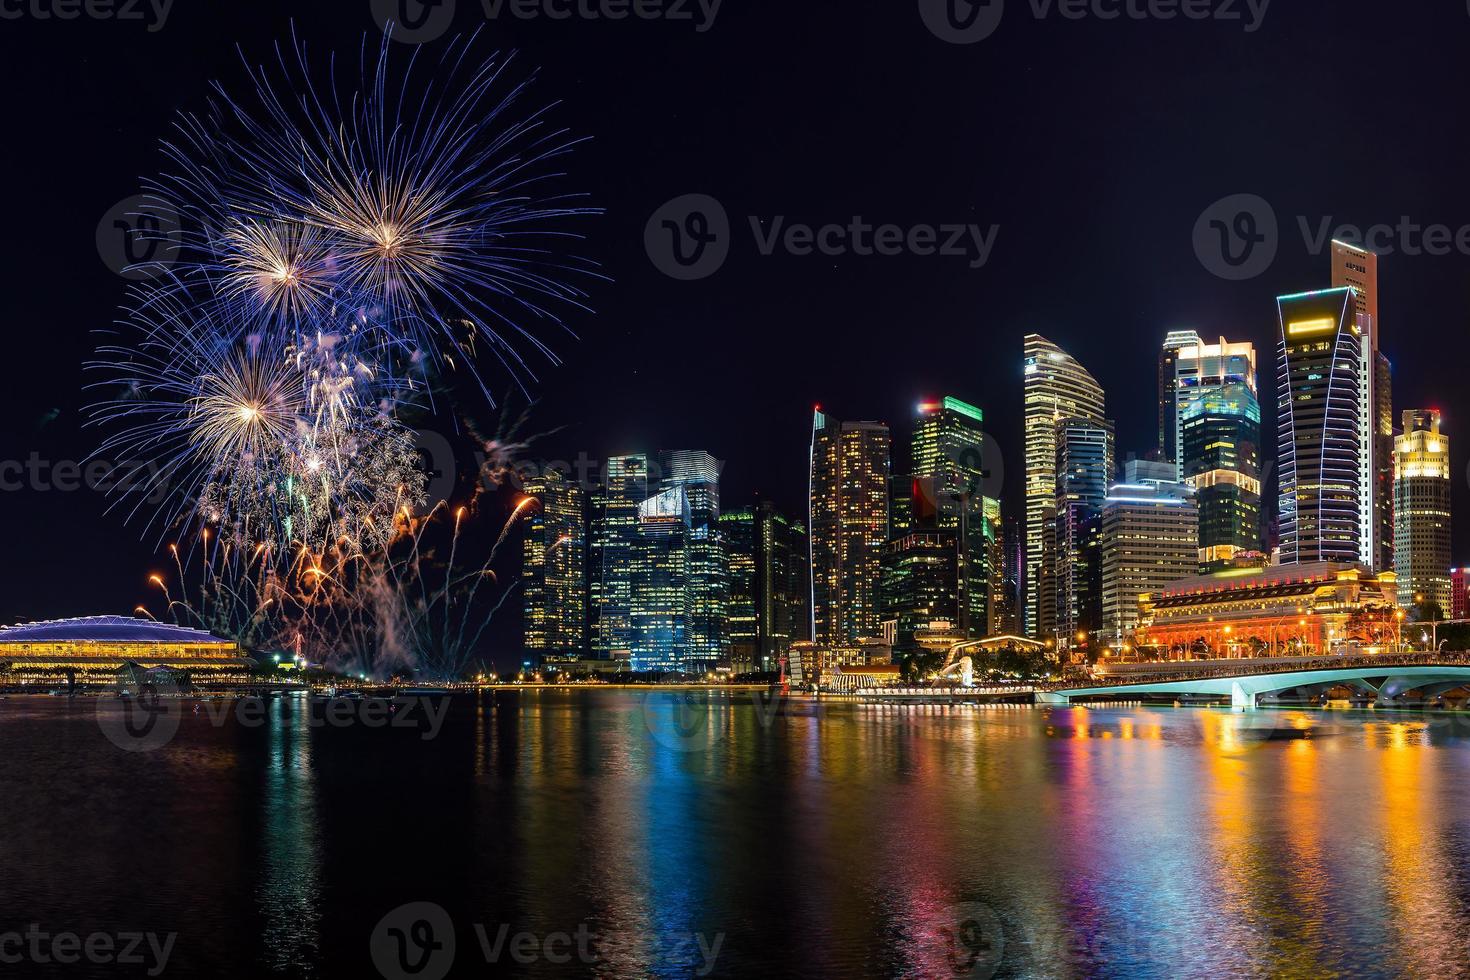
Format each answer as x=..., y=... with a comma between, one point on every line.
x=99, y=646
x=1421, y=505
x=848, y=521
x=553, y=566
x=659, y=583
x=1459, y=580
x=614, y=537
x=921, y=584
x=1357, y=268
x=1150, y=535
x=1303, y=609
x=766, y=602
x=1219, y=422
x=1084, y=472
x=697, y=474
x=1055, y=387
x=1175, y=342
x=1323, y=437
x=948, y=467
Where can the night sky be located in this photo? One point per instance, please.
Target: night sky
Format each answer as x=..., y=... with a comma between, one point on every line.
x=1094, y=146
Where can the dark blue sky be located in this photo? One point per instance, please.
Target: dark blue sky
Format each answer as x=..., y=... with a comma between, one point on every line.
x=1093, y=145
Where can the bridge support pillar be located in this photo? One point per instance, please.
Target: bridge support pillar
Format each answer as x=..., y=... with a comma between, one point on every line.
x=1240, y=700
x=1048, y=697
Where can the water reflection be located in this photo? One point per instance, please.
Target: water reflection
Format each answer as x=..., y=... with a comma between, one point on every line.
x=819, y=839
x=289, y=893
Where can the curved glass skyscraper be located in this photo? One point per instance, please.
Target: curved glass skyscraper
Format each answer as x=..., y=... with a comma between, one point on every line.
x=1323, y=436
x=1056, y=387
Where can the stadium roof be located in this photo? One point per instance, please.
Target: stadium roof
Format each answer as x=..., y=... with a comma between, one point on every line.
x=104, y=629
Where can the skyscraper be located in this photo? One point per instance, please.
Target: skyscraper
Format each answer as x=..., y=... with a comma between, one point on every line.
x=848, y=517
x=1085, y=471
x=1150, y=529
x=947, y=450
x=1322, y=429
x=698, y=475
x=1421, y=504
x=1358, y=268
x=659, y=585
x=1220, y=431
x=921, y=585
x=553, y=560
x=766, y=603
x=1174, y=342
x=1055, y=387
x=615, y=533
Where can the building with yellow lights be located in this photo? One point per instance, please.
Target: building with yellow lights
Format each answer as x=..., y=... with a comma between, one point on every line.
x=99, y=646
x=1421, y=511
x=1303, y=609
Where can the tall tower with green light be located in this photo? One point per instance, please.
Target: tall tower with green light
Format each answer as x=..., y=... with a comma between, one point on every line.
x=948, y=456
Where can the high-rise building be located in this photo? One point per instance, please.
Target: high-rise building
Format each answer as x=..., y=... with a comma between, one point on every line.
x=1357, y=268
x=1421, y=504
x=766, y=603
x=1056, y=386
x=659, y=584
x=553, y=566
x=848, y=520
x=1150, y=529
x=698, y=475
x=1323, y=431
x=1085, y=471
x=947, y=450
x=615, y=534
x=921, y=586
x=1174, y=342
x=1220, y=457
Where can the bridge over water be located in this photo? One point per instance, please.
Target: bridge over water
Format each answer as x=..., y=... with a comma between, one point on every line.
x=1385, y=678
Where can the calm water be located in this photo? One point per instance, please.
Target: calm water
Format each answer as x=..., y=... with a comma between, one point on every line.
x=814, y=841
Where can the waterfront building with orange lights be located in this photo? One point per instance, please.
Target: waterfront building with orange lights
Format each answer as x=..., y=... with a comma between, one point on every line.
x=1309, y=608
